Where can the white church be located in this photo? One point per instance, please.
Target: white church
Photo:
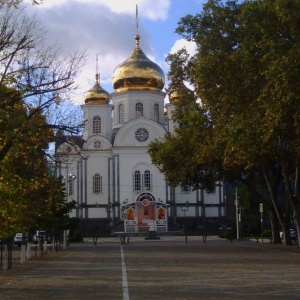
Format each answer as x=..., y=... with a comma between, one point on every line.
x=108, y=171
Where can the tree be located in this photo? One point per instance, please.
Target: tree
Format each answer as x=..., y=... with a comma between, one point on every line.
x=246, y=73
x=35, y=82
x=177, y=157
x=15, y=3
x=38, y=74
x=54, y=208
x=29, y=196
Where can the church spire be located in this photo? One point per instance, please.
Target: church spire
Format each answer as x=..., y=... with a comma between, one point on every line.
x=137, y=19
x=137, y=37
x=97, y=95
x=97, y=74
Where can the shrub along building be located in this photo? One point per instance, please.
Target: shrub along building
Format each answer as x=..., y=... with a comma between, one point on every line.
x=108, y=171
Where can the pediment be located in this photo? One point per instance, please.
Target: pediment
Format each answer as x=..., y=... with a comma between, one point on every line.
x=139, y=132
x=97, y=142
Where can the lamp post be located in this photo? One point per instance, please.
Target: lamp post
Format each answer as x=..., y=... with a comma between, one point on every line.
x=124, y=218
x=71, y=178
x=237, y=214
x=261, y=210
x=124, y=215
x=185, y=209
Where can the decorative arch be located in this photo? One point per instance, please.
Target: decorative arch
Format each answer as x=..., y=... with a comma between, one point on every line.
x=144, y=196
x=145, y=213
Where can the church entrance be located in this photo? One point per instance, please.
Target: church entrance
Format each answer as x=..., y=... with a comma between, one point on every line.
x=145, y=212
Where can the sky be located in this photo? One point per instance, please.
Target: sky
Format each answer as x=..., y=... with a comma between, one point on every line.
x=107, y=28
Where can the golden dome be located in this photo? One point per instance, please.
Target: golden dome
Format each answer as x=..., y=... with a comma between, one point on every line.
x=97, y=95
x=138, y=72
x=180, y=94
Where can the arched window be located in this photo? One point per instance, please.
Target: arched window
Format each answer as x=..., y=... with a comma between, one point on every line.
x=156, y=112
x=138, y=110
x=186, y=189
x=147, y=180
x=121, y=113
x=96, y=125
x=97, y=184
x=137, y=181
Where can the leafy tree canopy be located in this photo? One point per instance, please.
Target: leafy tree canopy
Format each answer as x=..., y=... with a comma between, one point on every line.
x=246, y=77
x=35, y=81
x=38, y=75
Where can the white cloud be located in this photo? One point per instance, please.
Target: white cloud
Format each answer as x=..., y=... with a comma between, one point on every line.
x=189, y=46
x=151, y=9
x=49, y=3
x=103, y=27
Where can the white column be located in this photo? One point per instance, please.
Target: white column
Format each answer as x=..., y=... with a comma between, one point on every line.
x=237, y=215
x=65, y=240
x=28, y=251
x=5, y=258
x=23, y=252
x=45, y=247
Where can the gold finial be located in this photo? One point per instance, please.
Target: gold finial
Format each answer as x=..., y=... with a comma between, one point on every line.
x=137, y=37
x=97, y=74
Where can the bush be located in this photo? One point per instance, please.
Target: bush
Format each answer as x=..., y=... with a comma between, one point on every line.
x=77, y=237
x=267, y=233
x=226, y=234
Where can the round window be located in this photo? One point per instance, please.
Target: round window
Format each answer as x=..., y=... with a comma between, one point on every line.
x=69, y=149
x=97, y=144
x=142, y=135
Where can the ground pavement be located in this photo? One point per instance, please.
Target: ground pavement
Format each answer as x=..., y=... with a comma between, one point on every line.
x=165, y=269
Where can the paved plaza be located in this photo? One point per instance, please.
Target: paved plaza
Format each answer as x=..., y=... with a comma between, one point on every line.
x=165, y=269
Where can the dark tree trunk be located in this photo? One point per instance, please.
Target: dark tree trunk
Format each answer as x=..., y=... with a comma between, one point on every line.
x=275, y=226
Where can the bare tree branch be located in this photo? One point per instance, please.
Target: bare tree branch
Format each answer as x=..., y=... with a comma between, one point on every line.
x=34, y=75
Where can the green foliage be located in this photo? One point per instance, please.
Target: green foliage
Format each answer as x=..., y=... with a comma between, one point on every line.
x=227, y=234
x=29, y=197
x=244, y=73
x=267, y=233
x=246, y=78
x=76, y=237
x=180, y=158
x=32, y=79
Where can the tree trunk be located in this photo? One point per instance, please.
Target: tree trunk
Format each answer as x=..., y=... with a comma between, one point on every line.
x=296, y=208
x=291, y=199
x=273, y=197
x=274, y=226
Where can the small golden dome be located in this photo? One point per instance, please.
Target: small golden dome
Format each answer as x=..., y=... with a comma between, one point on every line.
x=97, y=95
x=138, y=72
x=180, y=94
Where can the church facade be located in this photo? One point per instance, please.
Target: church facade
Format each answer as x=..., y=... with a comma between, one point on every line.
x=108, y=171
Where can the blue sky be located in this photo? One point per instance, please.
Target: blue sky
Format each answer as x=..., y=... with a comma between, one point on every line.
x=107, y=28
